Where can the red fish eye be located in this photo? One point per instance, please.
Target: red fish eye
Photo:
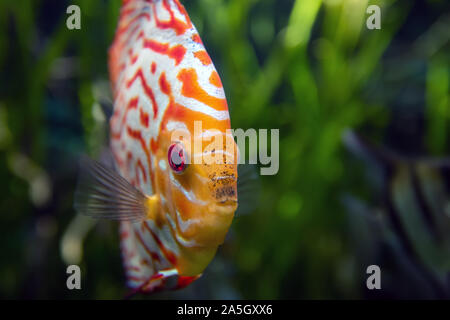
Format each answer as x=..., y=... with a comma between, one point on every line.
x=177, y=158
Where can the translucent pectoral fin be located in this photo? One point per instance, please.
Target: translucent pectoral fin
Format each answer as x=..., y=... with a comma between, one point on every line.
x=248, y=188
x=103, y=194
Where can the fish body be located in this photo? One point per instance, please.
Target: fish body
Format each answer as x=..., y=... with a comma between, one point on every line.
x=163, y=80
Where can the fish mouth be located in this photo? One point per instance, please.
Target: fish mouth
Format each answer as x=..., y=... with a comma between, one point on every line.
x=226, y=206
x=228, y=202
x=226, y=192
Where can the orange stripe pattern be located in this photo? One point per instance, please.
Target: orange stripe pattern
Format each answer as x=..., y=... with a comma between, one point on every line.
x=160, y=72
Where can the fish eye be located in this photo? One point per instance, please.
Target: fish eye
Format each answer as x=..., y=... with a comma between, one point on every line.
x=177, y=158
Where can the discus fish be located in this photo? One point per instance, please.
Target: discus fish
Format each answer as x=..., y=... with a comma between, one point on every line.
x=173, y=214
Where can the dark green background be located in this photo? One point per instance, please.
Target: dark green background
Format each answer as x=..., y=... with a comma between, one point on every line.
x=310, y=68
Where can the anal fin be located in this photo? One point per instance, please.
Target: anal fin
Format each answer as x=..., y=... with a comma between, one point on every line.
x=168, y=279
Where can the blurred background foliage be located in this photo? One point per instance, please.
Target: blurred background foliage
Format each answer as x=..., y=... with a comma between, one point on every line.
x=311, y=69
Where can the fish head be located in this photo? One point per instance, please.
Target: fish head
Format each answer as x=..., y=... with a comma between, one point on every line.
x=197, y=177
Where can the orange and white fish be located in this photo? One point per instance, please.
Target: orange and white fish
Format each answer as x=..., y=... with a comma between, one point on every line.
x=173, y=215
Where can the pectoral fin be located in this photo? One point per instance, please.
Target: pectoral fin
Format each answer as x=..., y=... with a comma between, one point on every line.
x=103, y=194
x=248, y=188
